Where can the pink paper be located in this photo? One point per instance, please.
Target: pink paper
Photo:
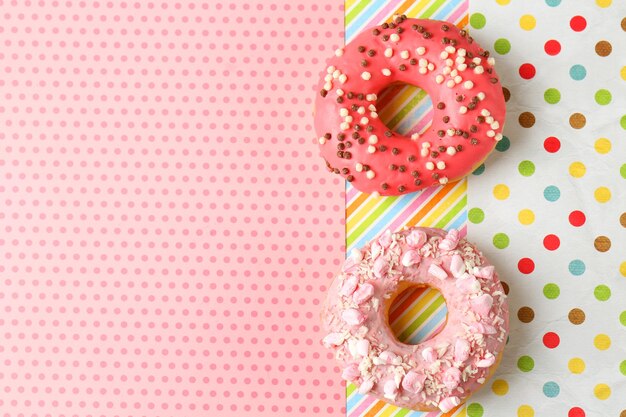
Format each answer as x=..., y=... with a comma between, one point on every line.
x=167, y=230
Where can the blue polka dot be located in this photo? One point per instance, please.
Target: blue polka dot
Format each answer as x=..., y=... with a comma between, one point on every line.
x=553, y=3
x=479, y=170
x=552, y=193
x=551, y=389
x=577, y=267
x=577, y=72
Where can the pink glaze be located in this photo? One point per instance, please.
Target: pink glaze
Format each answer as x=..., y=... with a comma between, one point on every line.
x=468, y=107
x=442, y=371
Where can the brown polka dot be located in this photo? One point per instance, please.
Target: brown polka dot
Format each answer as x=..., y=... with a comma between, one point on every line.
x=577, y=120
x=622, y=219
x=527, y=119
x=624, y=24
x=505, y=287
x=507, y=94
x=576, y=316
x=622, y=414
x=604, y=48
x=525, y=314
x=602, y=243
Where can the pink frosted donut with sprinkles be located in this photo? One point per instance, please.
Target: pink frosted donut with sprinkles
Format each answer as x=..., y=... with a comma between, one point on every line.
x=443, y=371
x=458, y=75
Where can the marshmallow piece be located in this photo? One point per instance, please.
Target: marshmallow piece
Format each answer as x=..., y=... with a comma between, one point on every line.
x=410, y=258
x=363, y=293
x=413, y=382
x=333, y=339
x=352, y=317
x=380, y=267
x=482, y=304
x=390, y=389
x=385, y=239
x=448, y=403
x=416, y=239
x=363, y=347
x=429, y=354
x=461, y=350
x=468, y=284
x=349, y=286
x=452, y=378
x=366, y=386
x=487, y=361
x=437, y=272
x=351, y=372
x=457, y=266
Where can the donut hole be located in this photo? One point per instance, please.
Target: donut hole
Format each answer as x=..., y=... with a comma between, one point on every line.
x=405, y=108
x=416, y=314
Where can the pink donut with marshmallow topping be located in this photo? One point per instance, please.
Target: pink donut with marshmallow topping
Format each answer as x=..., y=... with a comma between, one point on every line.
x=439, y=373
x=458, y=75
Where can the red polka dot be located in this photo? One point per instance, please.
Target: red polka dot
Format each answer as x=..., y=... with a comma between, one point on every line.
x=577, y=218
x=578, y=23
x=551, y=242
x=551, y=340
x=576, y=412
x=552, y=144
x=527, y=71
x=526, y=265
x=552, y=47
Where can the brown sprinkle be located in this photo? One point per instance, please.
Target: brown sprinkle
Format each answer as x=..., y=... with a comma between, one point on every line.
x=348, y=145
x=415, y=174
x=350, y=178
x=446, y=119
x=445, y=41
x=363, y=63
x=357, y=127
x=460, y=98
x=393, y=167
x=480, y=119
x=376, y=32
x=355, y=135
x=473, y=128
x=435, y=175
x=427, y=35
x=442, y=148
x=445, y=28
x=341, y=146
x=465, y=135
x=361, y=141
x=345, y=171
x=327, y=136
x=382, y=148
x=361, y=96
x=341, y=136
x=401, y=188
x=392, y=25
x=411, y=158
x=402, y=168
x=463, y=33
x=395, y=151
x=441, y=105
x=493, y=80
x=369, y=128
x=350, y=95
x=441, y=133
x=474, y=141
x=453, y=42
x=385, y=37
x=354, y=107
x=434, y=154
x=385, y=25
x=413, y=61
x=417, y=182
x=361, y=48
x=402, y=67
x=340, y=154
x=339, y=99
x=323, y=93
x=371, y=53
x=347, y=155
x=388, y=133
x=384, y=186
x=459, y=148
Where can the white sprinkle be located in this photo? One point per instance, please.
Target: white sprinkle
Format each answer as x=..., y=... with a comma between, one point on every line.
x=423, y=70
x=424, y=152
x=481, y=96
x=339, y=92
x=374, y=115
x=485, y=112
x=451, y=150
x=468, y=85
x=371, y=107
x=330, y=69
x=443, y=55
x=461, y=52
x=458, y=79
x=489, y=120
x=388, y=52
x=447, y=70
x=495, y=125
x=371, y=149
x=336, y=74
x=361, y=110
x=345, y=126
x=426, y=145
x=358, y=167
x=441, y=165
x=461, y=67
x=439, y=79
x=415, y=136
x=443, y=180
x=343, y=78
x=491, y=61
x=454, y=73
x=386, y=72
x=450, y=83
x=339, y=52
x=370, y=174
x=421, y=50
x=404, y=54
x=373, y=139
x=364, y=120
x=328, y=86
x=348, y=119
x=450, y=49
x=491, y=133
x=462, y=109
x=394, y=37
x=476, y=60
x=322, y=140
x=479, y=69
x=460, y=60
x=343, y=112
x=498, y=137
x=431, y=66
x=430, y=166
x=328, y=78
x=449, y=62
x=450, y=132
x=423, y=62
x=366, y=75
x=371, y=97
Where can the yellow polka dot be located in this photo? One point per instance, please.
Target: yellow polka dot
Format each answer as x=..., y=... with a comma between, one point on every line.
x=602, y=391
x=604, y=3
x=622, y=73
x=526, y=217
x=527, y=22
x=503, y=2
x=602, y=194
x=501, y=192
x=500, y=387
x=577, y=169
x=602, y=342
x=603, y=145
x=622, y=269
x=525, y=411
x=576, y=365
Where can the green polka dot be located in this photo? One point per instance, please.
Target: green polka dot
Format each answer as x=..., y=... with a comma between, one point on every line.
x=525, y=363
x=502, y=46
x=622, y=171
x=551, y=291
x=526, y=168
x=503, y=144
x=622, y=367
x=476, y=215
x=500, y=240
x=622, y=318
x=622, y=122
x=475, y=410
x=603, y=97
x=552, y=96
x=479, y=170
x=602, y=292
x=478, y=20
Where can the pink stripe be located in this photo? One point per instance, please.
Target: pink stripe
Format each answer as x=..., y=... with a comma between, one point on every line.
x=463, y=231
x=386, y=11
x=352, y=192
x=426, y=118
x=458, y=14
x=410, y=210
x=356, y=412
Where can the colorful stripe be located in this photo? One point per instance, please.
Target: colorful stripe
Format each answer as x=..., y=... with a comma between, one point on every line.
x=418, y=313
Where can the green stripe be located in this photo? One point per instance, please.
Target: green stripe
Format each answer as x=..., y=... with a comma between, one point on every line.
x=406, y=109
x=452, y=213
x=403, y=412
x=370, y=219
x=432, y=9
x=421, y=319
x=350, y=389
x=356, y=10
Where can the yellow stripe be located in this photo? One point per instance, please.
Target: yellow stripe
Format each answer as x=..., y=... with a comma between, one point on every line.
x=365, y=210
x=444, y=205
x=409, y=315
x=349, y=4
x=388, y=410
x=417, y=9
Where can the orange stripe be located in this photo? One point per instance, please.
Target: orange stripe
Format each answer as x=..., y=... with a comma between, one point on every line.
x=405, y=6
x=375, y=409
x=429, y=206
x=356, y=204
x=398, y=310
x=463, y=21
x=451, y=412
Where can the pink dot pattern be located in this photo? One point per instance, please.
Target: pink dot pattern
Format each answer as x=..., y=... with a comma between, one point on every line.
x=167, y=229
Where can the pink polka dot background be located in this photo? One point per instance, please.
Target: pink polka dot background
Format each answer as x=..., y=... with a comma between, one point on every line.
x=167, y=230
